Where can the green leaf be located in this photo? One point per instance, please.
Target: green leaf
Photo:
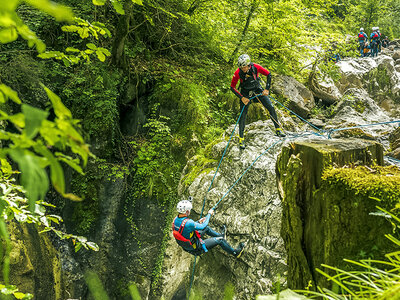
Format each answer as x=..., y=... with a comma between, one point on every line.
x=66, y=62
x=18, y=120
x=33, y=178
x=19, y=295
x=58, y=11
x=10, y=93
x=93, y=246
x=73, y=163
x=9, y=5
x=33, y=119
x=8, y=35
x=105, y=51
x=57, y=173
x=59, y=108
x=91, y=46
x=71, y=49
x=51, y=54
x=78, y=246
x=101, y=56
x=139, y=2
x=99, y=2
x=118, y=7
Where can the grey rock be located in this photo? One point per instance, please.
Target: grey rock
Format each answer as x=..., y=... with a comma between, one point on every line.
x=301, y=100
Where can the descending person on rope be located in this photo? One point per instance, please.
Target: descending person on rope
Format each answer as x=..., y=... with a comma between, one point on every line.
x=373, y=40
x=189, y=234
x=250, y=85
x=362, y=38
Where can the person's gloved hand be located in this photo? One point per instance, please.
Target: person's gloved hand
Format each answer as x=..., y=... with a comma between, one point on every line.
x=211, y=211
x=245, y=100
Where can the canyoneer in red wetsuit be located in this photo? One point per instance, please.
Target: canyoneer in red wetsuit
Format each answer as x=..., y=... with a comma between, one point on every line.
x=248, y=75
x=189, y=234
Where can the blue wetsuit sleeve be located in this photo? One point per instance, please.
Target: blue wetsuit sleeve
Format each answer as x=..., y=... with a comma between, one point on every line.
x=201, y=226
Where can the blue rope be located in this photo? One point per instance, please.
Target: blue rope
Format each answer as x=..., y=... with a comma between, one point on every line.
x=192, y=277
x=392, y=159
x=249, y=167
x=226, y=148
x=315, y=127
x=359, y=126
x=209, y=188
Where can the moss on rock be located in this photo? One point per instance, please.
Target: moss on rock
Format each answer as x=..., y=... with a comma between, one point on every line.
x=327, y=204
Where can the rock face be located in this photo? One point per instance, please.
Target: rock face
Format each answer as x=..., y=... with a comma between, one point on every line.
x=322, y=223
x=378, y=76
x=395, y=143
x=35, y=266
x=251, y=212
x=301, y=100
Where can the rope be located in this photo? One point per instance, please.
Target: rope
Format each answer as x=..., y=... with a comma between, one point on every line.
x=359, y=126
x=392, y=159
x=315, y=127
x=226, y=148
x=192, y=277
x=249, y=167
x=209, y=188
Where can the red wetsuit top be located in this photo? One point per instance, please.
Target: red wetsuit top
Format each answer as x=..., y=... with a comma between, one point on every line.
x=250, y=80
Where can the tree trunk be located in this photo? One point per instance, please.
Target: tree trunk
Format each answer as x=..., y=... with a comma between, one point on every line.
x=121, y=32
x=253, y=7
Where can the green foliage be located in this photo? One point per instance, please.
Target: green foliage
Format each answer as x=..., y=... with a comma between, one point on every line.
x=85, y=30
x=13, y=290
x=379, y=182
x=154, y=171
x=92, y=94
x=368, y=279
x=117, y=4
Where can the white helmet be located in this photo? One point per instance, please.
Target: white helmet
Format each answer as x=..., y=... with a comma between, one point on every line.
x=373, y=28
x=361, y=29
x=244, y=60
x=377, y=28
x=183, y=206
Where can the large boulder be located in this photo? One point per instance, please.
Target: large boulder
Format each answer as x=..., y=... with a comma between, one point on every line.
x=357, y=108
x=378, y=76
x=300, y=99
x=327, y=211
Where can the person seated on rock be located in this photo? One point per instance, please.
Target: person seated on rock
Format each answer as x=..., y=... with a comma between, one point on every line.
x=367, y=49
x=385, y=42
x=189, y=234
x=248, y=75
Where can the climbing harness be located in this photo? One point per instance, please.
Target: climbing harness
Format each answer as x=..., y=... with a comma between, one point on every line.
x=194, y=241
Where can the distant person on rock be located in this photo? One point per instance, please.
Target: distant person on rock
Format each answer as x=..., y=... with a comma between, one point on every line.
x=385, y=42
x=248, y=75
x=367, y=49
x=189, y=234
x=362, y=38
x=373, y=40
x=379, y=39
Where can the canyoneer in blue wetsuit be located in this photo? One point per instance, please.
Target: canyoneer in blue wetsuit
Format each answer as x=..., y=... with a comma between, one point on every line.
x=189, y=234
x=362, y=38
x=374, y=40
x=248, y=75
